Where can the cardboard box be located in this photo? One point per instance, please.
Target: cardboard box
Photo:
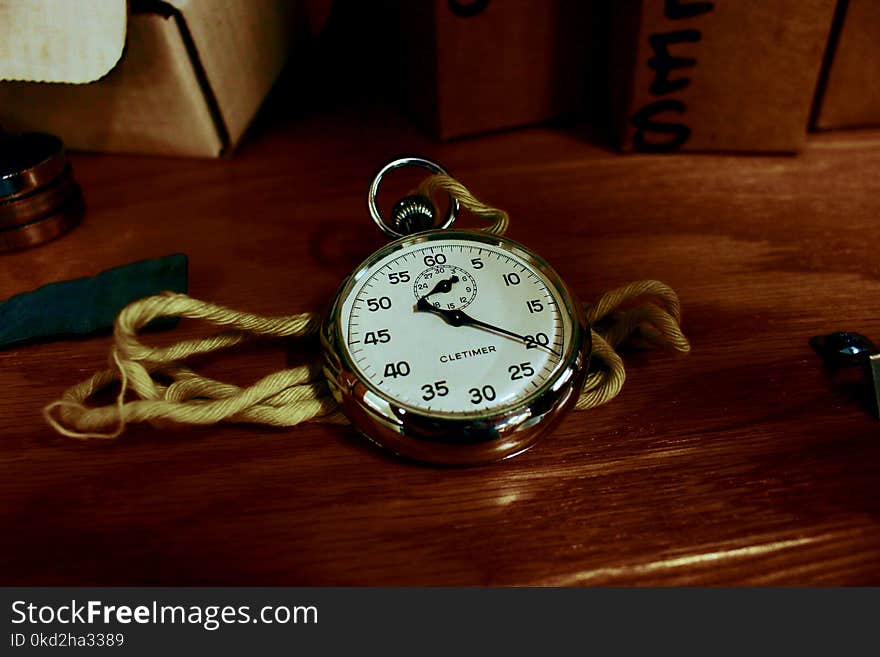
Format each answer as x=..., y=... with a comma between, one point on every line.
x=851, y=97
x=476, y=66
x=725, y=75
x=189, y=81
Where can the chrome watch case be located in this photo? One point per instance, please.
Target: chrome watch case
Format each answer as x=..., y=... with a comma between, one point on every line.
x=443, y=437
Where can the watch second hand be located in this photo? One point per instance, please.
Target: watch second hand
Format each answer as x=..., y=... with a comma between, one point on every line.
x=460, y=318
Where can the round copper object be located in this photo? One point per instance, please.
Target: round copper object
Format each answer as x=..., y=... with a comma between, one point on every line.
x=29, y=161
x=39, y=199
x=43, y=230
x=25, y=209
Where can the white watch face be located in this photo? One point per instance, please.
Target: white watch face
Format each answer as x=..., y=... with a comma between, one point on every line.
x=456, y=326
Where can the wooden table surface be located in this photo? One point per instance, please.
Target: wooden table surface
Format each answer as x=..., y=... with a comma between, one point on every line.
x=743, y=462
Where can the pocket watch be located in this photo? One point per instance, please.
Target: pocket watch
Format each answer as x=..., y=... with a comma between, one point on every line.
x=453, y=346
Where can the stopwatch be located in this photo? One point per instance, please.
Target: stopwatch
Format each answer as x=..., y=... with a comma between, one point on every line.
x=453, y=346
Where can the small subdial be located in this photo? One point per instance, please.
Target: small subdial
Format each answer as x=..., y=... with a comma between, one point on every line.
x=446, y=286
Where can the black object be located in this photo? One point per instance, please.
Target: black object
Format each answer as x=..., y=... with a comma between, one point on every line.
x=845, y=350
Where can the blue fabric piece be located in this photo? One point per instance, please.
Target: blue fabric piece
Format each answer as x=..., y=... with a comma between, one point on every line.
x=88, y=305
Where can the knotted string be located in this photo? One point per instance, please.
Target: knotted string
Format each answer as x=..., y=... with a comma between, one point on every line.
x=168, y=390
x=442, y=182
x=644, y=314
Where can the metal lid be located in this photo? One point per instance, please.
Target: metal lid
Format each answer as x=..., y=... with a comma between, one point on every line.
x=39, y=199
x=44, y=230
x=25, y=209
x=29, y=161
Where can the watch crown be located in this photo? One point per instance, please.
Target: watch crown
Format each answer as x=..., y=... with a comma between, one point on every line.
x=413, y=214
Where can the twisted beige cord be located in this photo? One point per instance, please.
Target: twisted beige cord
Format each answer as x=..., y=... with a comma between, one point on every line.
x=283, y=398
x=291, y=396
x=645, y=313
x=442, y=182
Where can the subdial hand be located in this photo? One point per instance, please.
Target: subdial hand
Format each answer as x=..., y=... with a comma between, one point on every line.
x=443, y=286
x=461, y=318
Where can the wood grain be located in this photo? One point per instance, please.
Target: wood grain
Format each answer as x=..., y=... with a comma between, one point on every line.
x=742, y=463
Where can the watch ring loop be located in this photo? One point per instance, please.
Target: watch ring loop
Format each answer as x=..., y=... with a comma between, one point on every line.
x=396, y=164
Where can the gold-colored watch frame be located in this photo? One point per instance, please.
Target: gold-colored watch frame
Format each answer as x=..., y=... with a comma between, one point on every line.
x=446, y=438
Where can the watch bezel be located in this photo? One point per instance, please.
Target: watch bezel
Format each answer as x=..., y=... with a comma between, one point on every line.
x=442, y=437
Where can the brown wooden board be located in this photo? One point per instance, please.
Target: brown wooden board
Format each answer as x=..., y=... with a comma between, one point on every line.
x=743, y=462
x=729, y=75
